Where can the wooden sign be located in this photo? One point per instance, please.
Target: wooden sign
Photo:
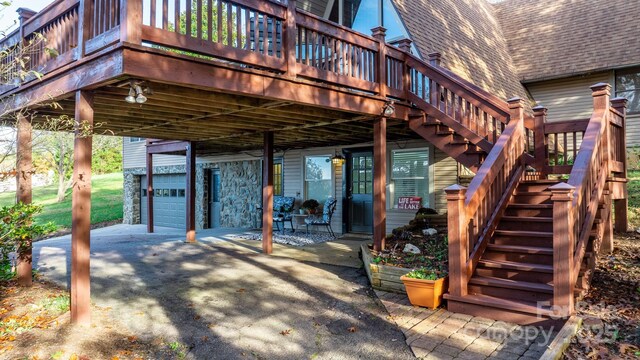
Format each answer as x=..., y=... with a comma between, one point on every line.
x=409, y=202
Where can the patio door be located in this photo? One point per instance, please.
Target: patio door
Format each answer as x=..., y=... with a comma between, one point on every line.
x=360, y=191
x=214, y=199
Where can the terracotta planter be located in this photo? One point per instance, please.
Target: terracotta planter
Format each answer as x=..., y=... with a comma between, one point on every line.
x=427, y=293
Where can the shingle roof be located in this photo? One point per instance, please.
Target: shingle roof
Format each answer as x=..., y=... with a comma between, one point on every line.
x=469, y=37
x=558, y=38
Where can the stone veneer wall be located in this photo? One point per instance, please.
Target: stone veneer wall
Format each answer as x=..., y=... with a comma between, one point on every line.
x=132, y=177
x=240, y=192
x=240, y=184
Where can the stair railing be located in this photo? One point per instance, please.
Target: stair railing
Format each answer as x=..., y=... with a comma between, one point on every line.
x=577, y=202
x=474, y=213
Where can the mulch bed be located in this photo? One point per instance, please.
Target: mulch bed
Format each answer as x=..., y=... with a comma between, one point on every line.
x=611, y=309
x=433, y=250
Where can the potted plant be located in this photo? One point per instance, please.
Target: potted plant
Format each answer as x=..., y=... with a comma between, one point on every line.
x=311, y=205
x=425, y=287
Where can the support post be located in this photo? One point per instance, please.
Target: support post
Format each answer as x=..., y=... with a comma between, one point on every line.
x=458, y=239
x=85, y=22
x=540, y=140
x=24, y=170
x=81, y=210
x=379, y=34
x=290, y=31
x=621, y=205
x=379, y=183
x=563, y=248
x=191, y=193
x=131, y=21
x=150, y=192
x=606, y=246
x=267, y=194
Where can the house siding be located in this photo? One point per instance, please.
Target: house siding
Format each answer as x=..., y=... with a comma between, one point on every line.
x=570, y=99
x=443, y=173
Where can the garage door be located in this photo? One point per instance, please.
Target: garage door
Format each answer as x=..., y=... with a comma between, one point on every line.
x=169, y=201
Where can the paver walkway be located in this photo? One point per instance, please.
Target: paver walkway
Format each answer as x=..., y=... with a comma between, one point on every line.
x=440, y=334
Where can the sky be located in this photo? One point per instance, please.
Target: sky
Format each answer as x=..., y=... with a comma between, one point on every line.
x=9, y=17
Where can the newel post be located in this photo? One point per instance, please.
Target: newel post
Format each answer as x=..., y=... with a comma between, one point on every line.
x=405, y=45
x=130, y=21
x=435, y=59
x=563, y=248
x=379, y=33
x=620, y=205
x=540, y=140
x=458, y=239
x=290, y=31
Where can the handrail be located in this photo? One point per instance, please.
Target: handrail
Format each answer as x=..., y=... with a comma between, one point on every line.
x=490, y=190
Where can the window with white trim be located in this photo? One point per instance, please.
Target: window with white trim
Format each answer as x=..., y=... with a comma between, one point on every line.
x=317, y=177
x=628, y=86
x=135, y=139
x=409, y=175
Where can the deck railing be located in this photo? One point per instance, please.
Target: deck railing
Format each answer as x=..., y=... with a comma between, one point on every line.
x=268, y=35
x=473, y=213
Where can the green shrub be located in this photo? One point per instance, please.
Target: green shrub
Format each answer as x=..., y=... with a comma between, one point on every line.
x=426, y=274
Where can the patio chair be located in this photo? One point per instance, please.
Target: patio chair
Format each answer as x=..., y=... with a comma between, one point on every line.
x=325, y=218
x=280, y=202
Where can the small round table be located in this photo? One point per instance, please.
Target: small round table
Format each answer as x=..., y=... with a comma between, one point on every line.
x=298, y=219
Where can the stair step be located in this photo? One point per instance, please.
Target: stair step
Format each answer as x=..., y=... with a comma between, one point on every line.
x=460, y=141
x=523, y=219
x=511, y=284
x=542, y=181
x=512, y=265
x=432, y=122
x=530, y=206
x=533, y=193
x=518, y=233
x=445, y=132
x=521, y=249
x=503, y=304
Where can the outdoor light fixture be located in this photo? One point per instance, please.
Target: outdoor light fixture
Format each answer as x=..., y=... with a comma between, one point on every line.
x=136, y=94
x=388, y=109
x=131, y=98
x=337, y=160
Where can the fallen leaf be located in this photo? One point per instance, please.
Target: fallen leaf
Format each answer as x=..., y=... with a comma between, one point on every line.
x=132, y=338
x=240, y=290
x=285, y=332
x=352, y=329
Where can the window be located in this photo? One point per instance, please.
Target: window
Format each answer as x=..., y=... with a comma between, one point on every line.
x=135, y=139
x=317, y=177
x=278, y=178
x=628, y=86
x=410, y=175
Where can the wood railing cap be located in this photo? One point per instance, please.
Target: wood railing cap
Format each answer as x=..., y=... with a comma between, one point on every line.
x=539, y=109
x=379, y=31
x=455, y=192
x=619, y=102
x=600, y=87
x=562, y=192
x=25, y=13
x=515, y=102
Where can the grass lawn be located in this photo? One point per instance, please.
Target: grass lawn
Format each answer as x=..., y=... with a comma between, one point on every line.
x=633, y=188
x=106, y=201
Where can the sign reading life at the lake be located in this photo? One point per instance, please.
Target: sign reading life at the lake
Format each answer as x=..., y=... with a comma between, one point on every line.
x=409, y=202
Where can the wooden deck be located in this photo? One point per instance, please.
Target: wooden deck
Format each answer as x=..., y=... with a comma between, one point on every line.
x=248, y=74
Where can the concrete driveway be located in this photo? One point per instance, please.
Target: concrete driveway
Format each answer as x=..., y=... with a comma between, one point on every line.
x=224, y=302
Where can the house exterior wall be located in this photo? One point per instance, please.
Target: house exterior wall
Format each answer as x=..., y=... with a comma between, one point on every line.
x=570, y=99
x=443, y=172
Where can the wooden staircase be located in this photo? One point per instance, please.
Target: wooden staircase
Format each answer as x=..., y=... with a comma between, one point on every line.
x=522, y=244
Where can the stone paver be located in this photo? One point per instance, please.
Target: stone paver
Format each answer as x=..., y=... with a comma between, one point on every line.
x=439, y=334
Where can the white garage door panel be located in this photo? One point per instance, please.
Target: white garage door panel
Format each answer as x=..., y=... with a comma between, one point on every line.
x=169, y=201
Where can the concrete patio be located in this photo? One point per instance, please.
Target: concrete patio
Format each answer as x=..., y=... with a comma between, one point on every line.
x=222, y=299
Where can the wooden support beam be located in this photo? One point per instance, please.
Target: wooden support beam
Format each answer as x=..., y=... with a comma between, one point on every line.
x=191, y=193
x=267, y=194
x=621, y=205
x=24, y=170
x=379, y=183
x=81, y=210
x=150, y=192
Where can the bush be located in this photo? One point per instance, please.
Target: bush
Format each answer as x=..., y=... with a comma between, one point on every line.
x=17, y=230
x=426, y=274
x=310, y=204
